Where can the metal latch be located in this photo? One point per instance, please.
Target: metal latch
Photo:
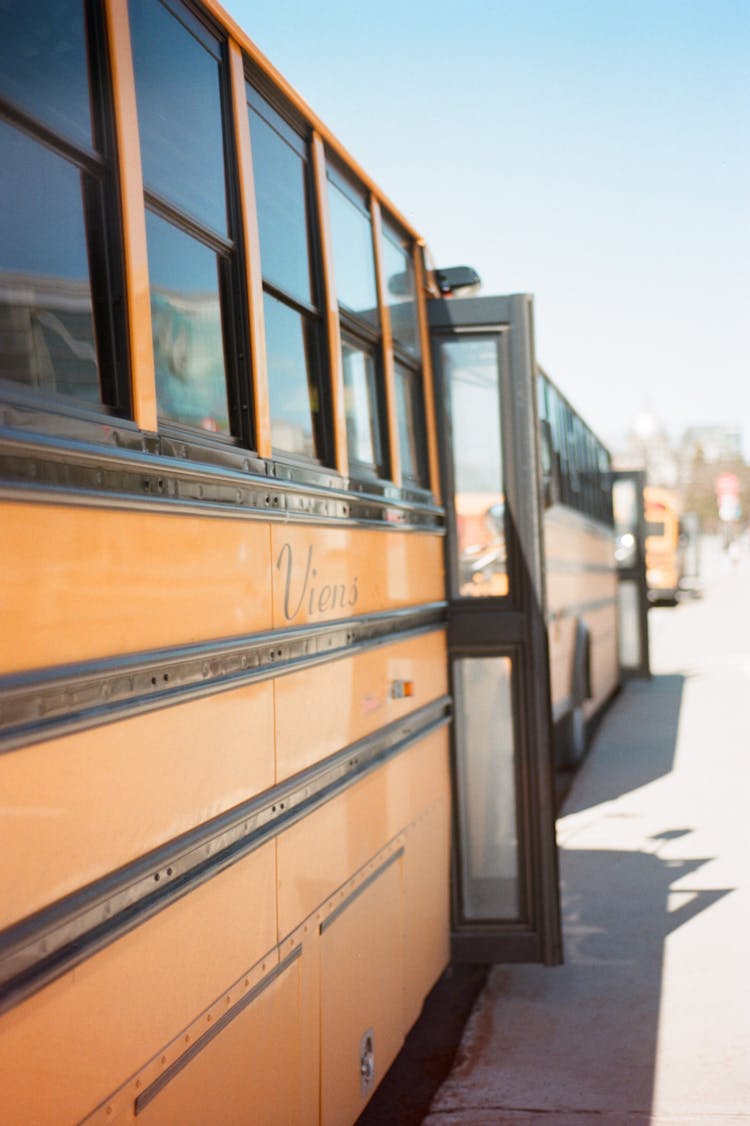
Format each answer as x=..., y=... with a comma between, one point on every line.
x=367, y=1062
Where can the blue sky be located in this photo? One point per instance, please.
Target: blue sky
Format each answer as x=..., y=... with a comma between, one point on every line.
x=595, y=153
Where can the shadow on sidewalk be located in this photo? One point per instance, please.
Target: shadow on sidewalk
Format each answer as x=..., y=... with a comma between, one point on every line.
x=646, y=709
x=582, y=1038
x=595, y=1022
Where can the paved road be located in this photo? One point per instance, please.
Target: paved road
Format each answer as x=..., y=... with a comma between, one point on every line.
x=648, y=1021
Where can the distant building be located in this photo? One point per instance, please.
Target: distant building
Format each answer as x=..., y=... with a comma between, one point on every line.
x=716, y=443
x=647, y=446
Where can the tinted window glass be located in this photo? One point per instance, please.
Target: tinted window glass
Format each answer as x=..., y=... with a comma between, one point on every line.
x=179, y=114
x=361, y=405
x=188, y=349
x=399, y=293
x=47, y=339
x=43, y=63
x=293, y=396
x=409, y=417
x=353, y=257
x=279, y=174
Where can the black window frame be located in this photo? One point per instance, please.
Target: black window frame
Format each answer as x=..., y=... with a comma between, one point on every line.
x=101, y=201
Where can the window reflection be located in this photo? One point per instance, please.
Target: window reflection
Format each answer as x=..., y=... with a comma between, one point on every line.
x=399, y=293
x=179, y=114
x=47, y=338
x=186, y=321
x=44, y=66
x=472, y=374
x=361, y=406
x=353, y=256
x=279, y=175
x=293, y=395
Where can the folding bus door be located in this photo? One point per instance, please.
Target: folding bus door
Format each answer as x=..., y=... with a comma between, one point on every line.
x=505, y=881
x=630, y=554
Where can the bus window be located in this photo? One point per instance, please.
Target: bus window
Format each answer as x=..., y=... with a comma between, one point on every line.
x=179, y=121
x=58, y=320
x=399, y=296
x=356, y=290
x=411, y=430
x=44, y=66
x=292, y=321
x=353, y=256
x=362, y=417
x=399, y=291
x=45, y=295
x=189, y=253
x=186, y=322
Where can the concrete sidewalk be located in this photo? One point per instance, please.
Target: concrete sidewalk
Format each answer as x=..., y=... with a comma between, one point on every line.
x=648, y=1021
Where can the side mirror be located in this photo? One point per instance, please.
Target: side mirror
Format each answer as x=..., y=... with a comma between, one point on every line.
x=457, y=277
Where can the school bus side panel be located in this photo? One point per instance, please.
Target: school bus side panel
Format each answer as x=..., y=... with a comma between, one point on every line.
x=109, y=582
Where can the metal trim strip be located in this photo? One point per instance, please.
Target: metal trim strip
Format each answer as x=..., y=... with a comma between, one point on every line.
x=330, y=919
x=47, y=703
x=40, y=948
x=151, y=1092
x=206, y=480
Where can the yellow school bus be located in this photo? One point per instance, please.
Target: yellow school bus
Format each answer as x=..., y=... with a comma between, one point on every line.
x=664, y=545
x=270, y=754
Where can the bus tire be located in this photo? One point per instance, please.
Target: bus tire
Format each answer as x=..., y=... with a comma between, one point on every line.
x=576, y=734
x=575, y=727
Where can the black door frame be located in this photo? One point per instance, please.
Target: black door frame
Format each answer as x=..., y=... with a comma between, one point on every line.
x=511, y=626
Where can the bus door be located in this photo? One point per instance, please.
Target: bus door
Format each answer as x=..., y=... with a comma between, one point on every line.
x=630, y=554
x=505, y=881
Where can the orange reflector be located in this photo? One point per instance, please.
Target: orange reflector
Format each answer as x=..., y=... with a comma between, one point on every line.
x=401, y=688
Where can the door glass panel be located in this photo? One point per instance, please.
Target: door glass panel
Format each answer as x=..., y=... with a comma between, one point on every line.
x=485, y=766
x=629, y=624
x=625, y=504
x=472, y=376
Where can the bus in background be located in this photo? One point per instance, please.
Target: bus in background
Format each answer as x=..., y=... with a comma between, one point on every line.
x=581, y=572
x=664, y=545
